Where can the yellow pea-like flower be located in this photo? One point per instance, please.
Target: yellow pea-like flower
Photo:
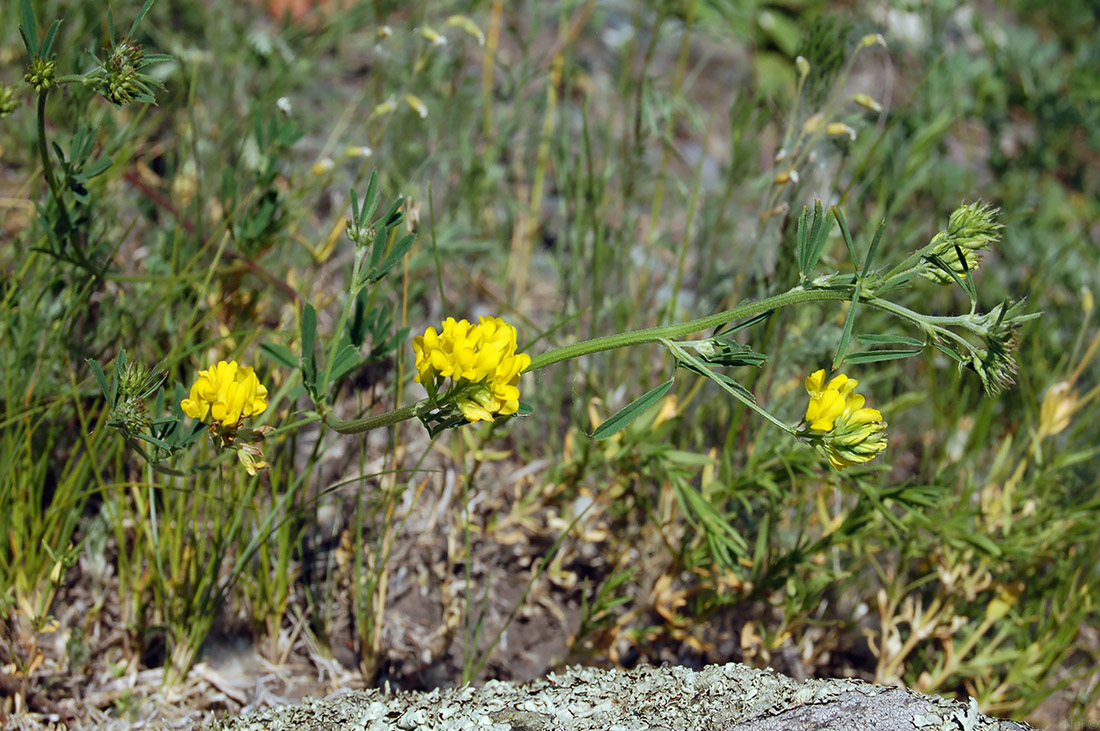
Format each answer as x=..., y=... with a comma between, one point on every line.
x=226, y=393
x=841, y=427
x=480, y=361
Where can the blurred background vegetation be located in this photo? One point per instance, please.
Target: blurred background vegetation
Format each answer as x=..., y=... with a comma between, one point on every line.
x=577, y=168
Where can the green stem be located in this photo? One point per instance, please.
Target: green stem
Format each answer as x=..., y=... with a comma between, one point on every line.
x=927, y=323
x=611, y=342
x=665, y=332
x=47, y=164
x=353, y=295
x=358, y=426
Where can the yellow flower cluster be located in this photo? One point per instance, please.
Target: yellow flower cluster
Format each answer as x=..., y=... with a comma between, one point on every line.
x=481, y=361
x=846, y=431
x=227, y=393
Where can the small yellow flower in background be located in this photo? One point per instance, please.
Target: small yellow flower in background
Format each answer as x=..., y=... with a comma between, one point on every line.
x=227, y=393
x=1059, y=404
x=480, y=360
x=840, y=426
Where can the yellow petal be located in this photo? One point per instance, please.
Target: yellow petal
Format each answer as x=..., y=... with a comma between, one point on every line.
x=815, y=381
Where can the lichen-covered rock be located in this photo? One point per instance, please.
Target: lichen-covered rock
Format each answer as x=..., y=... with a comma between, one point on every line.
x=718, y=698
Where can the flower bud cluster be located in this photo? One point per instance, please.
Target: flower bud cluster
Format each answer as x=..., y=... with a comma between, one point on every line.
x=8, y=101
x=42, y=74
x=122, y=72
x=839, y=426
x=136, y=382
x=481, y=362
x=972, y=229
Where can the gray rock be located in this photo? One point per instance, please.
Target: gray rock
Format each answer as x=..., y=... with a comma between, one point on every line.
x=718, y=698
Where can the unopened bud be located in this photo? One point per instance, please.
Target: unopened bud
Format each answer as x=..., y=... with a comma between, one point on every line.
x=8, y=100
x=432, y=37
x=813, y=124
x=788, y=176
x=384, y=108
x=42, y=74
x=322, y=166
x=839, y=129
x=872, y=39
x=803, y=66
x=1086, y=301
x=358, y=151
x=470, y=27
x=779, y=210
x=867, y=102
x=416, y=105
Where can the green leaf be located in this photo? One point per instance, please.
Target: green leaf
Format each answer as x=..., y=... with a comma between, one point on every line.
x=820, y=228
x=688, y=459
x=632, y=411
x=849, y=322
x=98, y=167
x=345, y=360
x=154, y=441
x=846, y=234
x=877, y=356
x=720, y=378
x=890, y=340
x=51, y=36
x=358, y=325
x=29, y=27
x=871, y=251
x=948, y=352
x=971, y=290
x=354, y=206
x=378, y=247
x=802, y=241
x=370, y=200
x=281, y=355
x=396, y=254
x=747, y=323
x=308, y=362
x=983, y=543
x=102, y=379
x=963, y=283
x=111, y=27
x=141, y=16
x=394, y=215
